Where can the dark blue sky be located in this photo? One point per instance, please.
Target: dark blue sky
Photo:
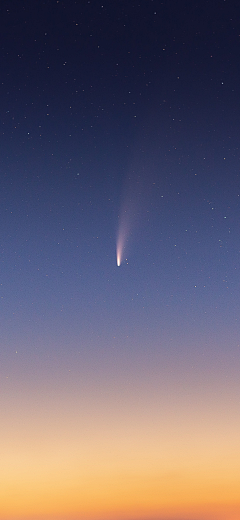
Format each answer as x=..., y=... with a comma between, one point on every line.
x=91, y=96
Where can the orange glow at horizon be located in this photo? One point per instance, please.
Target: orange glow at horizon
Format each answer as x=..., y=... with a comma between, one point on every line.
x=149, y=453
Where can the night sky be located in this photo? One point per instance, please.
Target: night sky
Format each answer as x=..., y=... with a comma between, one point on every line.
x=120, y=260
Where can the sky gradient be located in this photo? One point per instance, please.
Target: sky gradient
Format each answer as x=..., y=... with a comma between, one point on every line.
x=119, y=384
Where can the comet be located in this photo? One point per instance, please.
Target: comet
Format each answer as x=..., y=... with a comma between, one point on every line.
x=127, y=217
x=133, y=203
x=122, y=238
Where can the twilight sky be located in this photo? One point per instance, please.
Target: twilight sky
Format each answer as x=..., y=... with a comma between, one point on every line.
x=119, y=384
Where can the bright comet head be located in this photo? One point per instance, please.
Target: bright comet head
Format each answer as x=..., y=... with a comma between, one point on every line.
x=119, y=250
